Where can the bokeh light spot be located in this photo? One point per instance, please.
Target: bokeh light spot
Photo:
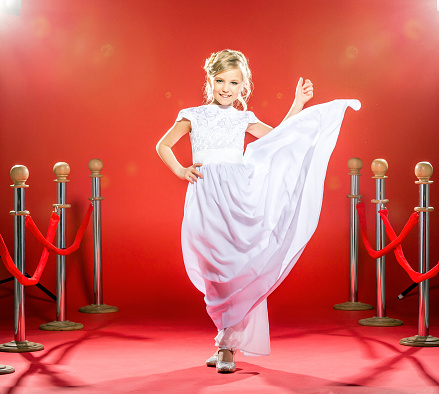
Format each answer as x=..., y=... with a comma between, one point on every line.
x=351, y=52
x=333, y=182
x=132, y=169
x=41, y=27
x=168, y=95
x=413, y=29
x=279, y=96
x=105, y=182
x=107, y=50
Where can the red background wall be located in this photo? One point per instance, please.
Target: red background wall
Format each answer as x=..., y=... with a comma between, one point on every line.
x=105, y=79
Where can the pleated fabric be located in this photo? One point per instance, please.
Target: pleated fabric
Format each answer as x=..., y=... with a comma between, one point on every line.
x=246, y=224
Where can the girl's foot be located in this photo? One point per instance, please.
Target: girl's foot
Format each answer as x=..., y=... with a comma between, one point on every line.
x=226, y=361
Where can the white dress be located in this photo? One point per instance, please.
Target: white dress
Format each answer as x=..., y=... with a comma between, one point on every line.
x=247, y=221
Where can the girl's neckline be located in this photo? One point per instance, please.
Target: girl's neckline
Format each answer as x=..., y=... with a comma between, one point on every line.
x=223, y=107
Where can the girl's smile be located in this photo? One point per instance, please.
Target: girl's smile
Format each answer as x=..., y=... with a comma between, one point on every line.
x=226, y=87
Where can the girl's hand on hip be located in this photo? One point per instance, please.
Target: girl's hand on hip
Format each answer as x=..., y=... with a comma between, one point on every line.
x=191, y=173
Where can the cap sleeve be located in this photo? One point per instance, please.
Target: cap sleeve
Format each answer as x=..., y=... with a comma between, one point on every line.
x=251, y=117
x=186, y=114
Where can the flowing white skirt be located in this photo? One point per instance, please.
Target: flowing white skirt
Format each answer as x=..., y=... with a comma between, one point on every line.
x=246, y=224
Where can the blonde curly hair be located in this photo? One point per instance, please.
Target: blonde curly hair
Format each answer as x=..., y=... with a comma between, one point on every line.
x=223, y=61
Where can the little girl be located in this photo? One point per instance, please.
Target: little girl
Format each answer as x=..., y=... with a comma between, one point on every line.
x=248, y=216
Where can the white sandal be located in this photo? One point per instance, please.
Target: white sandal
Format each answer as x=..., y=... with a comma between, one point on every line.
x=212, y=361
x=226, y=366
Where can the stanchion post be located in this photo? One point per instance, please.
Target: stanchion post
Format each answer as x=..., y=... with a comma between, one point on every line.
x=423, y=172
x=97, y=236
x=19, y=175
x=379, y=168
x=61, y=170
x=19, y=258
x=95, y=166
x=354, y=165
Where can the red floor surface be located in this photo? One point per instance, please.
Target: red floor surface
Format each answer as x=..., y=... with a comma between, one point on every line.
x=317, y=350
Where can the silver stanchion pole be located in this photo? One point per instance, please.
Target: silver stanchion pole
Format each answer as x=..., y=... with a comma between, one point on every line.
x=423, y=171
x=19, y=175
x=95, y=166
x=354, y=165
x=61, y=170
x=379, y=168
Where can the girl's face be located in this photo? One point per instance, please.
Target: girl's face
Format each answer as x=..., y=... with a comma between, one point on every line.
x=226, y=87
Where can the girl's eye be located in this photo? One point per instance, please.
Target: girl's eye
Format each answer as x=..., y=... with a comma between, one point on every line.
x=219, y=80
x=234, y=83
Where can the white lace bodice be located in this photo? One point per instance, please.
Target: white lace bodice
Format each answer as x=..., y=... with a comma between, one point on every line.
x=216, y=127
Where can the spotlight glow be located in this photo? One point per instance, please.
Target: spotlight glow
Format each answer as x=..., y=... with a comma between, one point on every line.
x=12, y=7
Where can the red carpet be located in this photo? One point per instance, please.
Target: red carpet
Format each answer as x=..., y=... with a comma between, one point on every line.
x=313, y=351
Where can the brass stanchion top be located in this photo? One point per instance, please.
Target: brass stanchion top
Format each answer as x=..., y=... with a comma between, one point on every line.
x=424, y=171
x=61, y=170
x=95, y=166
x=19, y=175
x=379, y=168
x=355, y=164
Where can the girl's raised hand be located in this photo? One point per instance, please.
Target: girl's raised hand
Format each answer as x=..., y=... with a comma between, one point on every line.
x=304, y=91
x=191, y=173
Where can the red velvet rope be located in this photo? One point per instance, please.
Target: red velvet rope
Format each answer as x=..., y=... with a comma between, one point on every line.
x=30, y=225
x=414, y=276
x=413, y=220
x=9, y=263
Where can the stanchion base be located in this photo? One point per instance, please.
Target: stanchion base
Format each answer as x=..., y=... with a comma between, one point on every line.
x=102, y=308
x=65, y=325
x=419, y=341
x=353, y=306
x=20, y=347
x=4, y=369
x=380, y=322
